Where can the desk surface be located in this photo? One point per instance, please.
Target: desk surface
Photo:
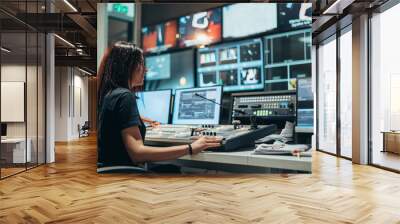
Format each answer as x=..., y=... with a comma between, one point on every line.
x=390, y=132
x=13, y=140
x=247, y=158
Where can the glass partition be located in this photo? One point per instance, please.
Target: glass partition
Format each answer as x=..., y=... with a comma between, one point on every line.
x=346, y=93
x=14, y=153
x=385, y=89
x=22, y=78
x=326, y=102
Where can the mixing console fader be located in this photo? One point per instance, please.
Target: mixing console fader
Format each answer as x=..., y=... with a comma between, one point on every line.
x=233, y=138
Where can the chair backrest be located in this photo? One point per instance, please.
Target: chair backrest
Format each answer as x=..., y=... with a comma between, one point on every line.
x=120, y=169
x=86, y=125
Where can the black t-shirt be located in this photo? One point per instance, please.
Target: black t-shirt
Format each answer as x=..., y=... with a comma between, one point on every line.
x=118, y=111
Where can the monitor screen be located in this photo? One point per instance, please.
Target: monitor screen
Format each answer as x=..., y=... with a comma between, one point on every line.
x=155, y=105
x=294, y=15
x=274, y=74
x=158, y=67
x=246, y=19
x=300, y=70
x=237, y=66
x=304, y=90
x=194, y=106
x=201, y=28
x=305, y=117
x=250, y=76
x=159, y=37
x=207, y=59
x=180, y=72
x=288, y=47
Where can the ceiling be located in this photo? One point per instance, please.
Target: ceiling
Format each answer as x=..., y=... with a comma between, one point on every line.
x=75, y=23
x=332, y=15
x=79, y=27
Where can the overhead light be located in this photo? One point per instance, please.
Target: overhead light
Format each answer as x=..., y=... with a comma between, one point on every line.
x=65, y=41
x=5, y=50
x=70, y=5
x=337, y=7
x=84, y=71
x=331, y=7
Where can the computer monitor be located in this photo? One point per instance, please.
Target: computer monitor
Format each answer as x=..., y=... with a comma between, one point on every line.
x=174, y=71
x=201, y=28
x=237, y=66
x=195, y=106
x=305, y=117
x=245, y=19
x=155, y=105
x=3, y=129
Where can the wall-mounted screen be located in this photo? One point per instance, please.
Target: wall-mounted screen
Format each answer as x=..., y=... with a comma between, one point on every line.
x=246, y=19
x=194, y=106
x=300, y=70
x=237, y=66
x=155, y=105
x=159, y=37
x=158, y=67
x=287, y=47
x=179, y=73
x=304, y=89
x=201, y=28
x=287, y=57
x=294, y=15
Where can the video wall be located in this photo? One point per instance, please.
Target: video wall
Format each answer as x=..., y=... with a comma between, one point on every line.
x=287, y=58
x=237, y=66
x=244, y=47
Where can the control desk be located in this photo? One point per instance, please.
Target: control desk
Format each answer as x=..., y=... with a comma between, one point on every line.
x=235, y=137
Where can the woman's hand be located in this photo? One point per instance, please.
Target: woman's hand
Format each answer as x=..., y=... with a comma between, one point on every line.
x=205, y=142
x=154, y=124
x=150, y=122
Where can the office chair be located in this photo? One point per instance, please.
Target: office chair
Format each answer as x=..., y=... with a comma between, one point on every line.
x=159, y=168
x=101, y=169
x=84, y=130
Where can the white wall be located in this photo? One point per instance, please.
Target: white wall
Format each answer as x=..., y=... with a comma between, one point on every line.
x=71, y=93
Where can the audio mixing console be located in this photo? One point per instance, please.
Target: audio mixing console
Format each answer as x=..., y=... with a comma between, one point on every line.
x=233, y=138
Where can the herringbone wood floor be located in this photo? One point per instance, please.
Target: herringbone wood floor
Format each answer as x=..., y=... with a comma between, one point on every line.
x=70, y=191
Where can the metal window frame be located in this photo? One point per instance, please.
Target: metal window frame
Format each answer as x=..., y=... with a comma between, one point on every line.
x=337, y=35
